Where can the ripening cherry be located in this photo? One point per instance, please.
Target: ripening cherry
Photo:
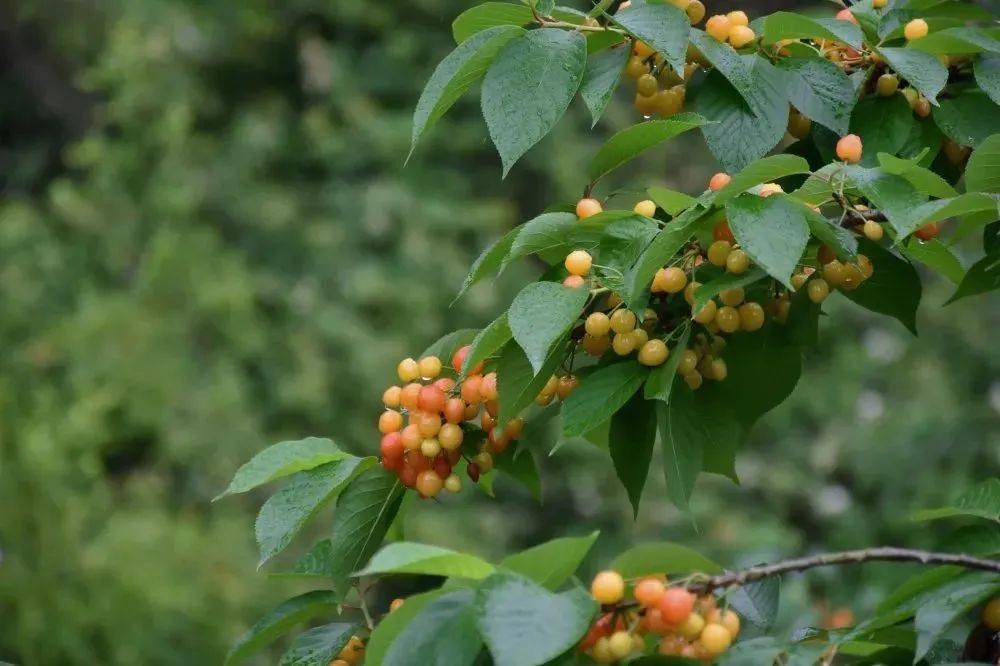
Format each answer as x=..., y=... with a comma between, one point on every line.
x=390, y=397
x=846, y=15
x=619, y=645
x=818, y=289
x=597, y=324
x=391, y=446
x=693, y=379
x=588, y=207
x=676, y=604
x=454, y=410
x=595, y=345
x=431, y=399
x=646, y=85
x=488, y=387
x=852, y=277
x=887, y=85
x=623, y=343
x=695, y=11
x=428, y=424
x=648, y=592
x=718, y=252
x=671, y=645
x=458, y=360
x=719, y=370
x=879, y=4
x=991, y=614
x=872, y=230
x=691, y=627
x=430, y=447
x=450, y=436
x=915, y=29
x=352, y=652
x=728, y=619
x=674, y=280
x=718, y=181
x=727, y=318
x=751, y=316
x=567, y=384
x=573, y=281
x=390, y=421
x=429, y=483
x=768, y=189
x=411, y=437
x=688, y=362
x=732, y=297
x=639, y=337
x=865, y=266
x=646, y=208
x=740, y=36
x=738, y=18
x=715, y=639
x=578, y=262
x=608, y=587
x=833, y=273
x=653, y=353
x=849, y=148
x=472, y=389
x=928, y=231
x=706, y=313
x=737, y=262
x=623, y=321
x=484, y=460
x=718, y=27
x=396, y=603
x=408, y=370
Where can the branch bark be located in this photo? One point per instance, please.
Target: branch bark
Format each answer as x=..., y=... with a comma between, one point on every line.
x=882, y=554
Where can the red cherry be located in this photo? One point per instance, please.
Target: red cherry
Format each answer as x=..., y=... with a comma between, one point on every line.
x=473, y=471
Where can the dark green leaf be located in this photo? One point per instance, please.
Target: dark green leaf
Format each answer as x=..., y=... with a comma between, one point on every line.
x=528, y=88
x=443, y=633
x=669, y=200
x=631, y=438
x=955, y=41
x=281, y=460
x=968, y=118
x=517, y=383
x=488, y=15
x=661, y=378
x=943, y=609
x=315, y=563
x=884, y=124
x=524, y=624
x=285, y=616
x=604, y=70
x=389, y=627
x=763, y=170
x=923, y=70
x=755, y=652
x=788, y=25
x=456, y=74
x=600, y=395
x=820, y=90
x=937, y=255
x=663, y=26
x=540, y=316
x=630, y=142
x=319, y=646
x=893, y=289
x=982, y=276
x=982, y=173
x=987, y=72
x=942, y=209
x=520, y=465
x=982, y=501
x=364, y=512
x=893, y=195
x=284, y=513
x=552, y=563
x=417, y=558
x=757, y=602
x=831, y=234
x=487, y=343
x=772, y=230
x=924, y=180
x=682, y=437
x=662, y=557
x=490, y=260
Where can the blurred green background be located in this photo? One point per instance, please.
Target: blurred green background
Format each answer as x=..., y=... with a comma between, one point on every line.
x=208, y=242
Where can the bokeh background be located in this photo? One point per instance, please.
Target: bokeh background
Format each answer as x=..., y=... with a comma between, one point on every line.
x=208, y=242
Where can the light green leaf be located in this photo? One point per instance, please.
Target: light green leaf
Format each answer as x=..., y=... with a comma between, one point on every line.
x=487, y=343
x=681, y=440
x=490, y=261
x=489, y=15
x=772, y=230
x=923, y=70
x=403, y=557
x=389, y=627
x=789, y=25
x=981, y=501
x=364, y=512
x=754, y=652
x=968, y=118
x=284, y=513
x=935, y=616
x=524, y=624
x=982, y=172
x=757, y=602
x=820, y=90
x=528, y=88
x=942, y=209
x=604, y=71
x=630, y=142
x=283, y=459
x=831, y=234
x=705, y=292
x=986, y=69
x=659, y=557
x=443, y=632
x=554, y=235
x=631, y=437
x=456, y=74
x=671, y=201
x=924, y=180
x=764, y=170
x=893, y=195
x=552, y=563
x=315, y=563
x=446, y=346
x=517, y=383
x=540, y=316
x=937, y=255
x=983, y=276
x=285, y=616
x=955, y=41
x=663, y=26
x=661, y=378
x=319, y=646
x=600, y=395
x=894, y=288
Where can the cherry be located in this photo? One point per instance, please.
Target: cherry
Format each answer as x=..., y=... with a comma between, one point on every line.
x=653, y=352
x=642, y=49
x=408, y=370
x=646, y=208
x=431, y=400
x=715, y=639
x=887, y=85
x=484, y=460
x=671, y=645
x=488, y=387
x=849, y=148
x=718, y=181
x=391, y=446
x=390, y=421
x=473, y=471
x=928, y=231
x=430, y=447
x=573, y=281
x=450, y=436
x=872, y=230
x=727, y=618
x=695, y=11
x=646, y=85
x=706, y=313
x=751, y=316
x=428, y=424
x=623, y=321
x=472, y=389
x=718, y=252
x=458, y=360
x=846, y=15
x=817, y=289
x=597, y=324
x=691, y=627
x=732, y=296
x=396, y=603
x=718, y=27
x=737, y=262
x=453, y=484
x=688, y=362
x=608, y=587
x=673, y=280
x=648, y=592
x=915, y=29
x=693, y=379
x=676, y=604
x=768, y=189
x=596, y=345
x=741, y=35
x=588, y=207
x=833, y=273
x=454, y=410
x=727, y=318
x=390, y=397
x=442, y=466
x=411, y=437
x=429, y=483
x=623, y=343
x=719, y=370
x=578, y=262
x=567, y=384
x=991, y=614
x=619, y=645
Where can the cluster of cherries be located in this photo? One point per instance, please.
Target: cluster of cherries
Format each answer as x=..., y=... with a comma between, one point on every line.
x=424, y=451
x=650, y=614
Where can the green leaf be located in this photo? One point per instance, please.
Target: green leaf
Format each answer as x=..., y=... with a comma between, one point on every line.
x=662, y=557
x=682, y=436
x=601, y=394
x=630, y=442
x=982, y=172
x=661, y=378
x=705, y=292
x=524, y=624
x=789, y=25
x=942, y=209
x=389, y=627
x=403, y=557
x=893, y=289
x=604, y=71
x=771, y=230
x=968, y=118
x=757, y=602
x=923, y=70
x=663, y=26
x=754, y=652
x=831, y=234
x=884, y=125
x=924, y=180
x=487, y=343
x=364, y=512
x=670, y=200
x=981, y=501
x=490, y=261
x=552, y=563
x=935, y=616
x=633, y=140
x=446, y=346
x=740, y=134
x=540, y=316
x=528, y=88
x=520, y=466
x=443, y=632
x=320, y=645
x=456, y=74
x=315, y=563
x=763, y=370
x=954, y=41
x=517, y=384
x=285, y=616
x=983, y=276
x=764, y=170
x=489, y=15
x=283, y=459
x=937, y=255
x=987, y=72
x=284, y=513
x=820, y=90
x=893, y=195
x=558, y=234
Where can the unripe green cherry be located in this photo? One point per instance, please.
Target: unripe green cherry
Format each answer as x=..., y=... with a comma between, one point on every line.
x=646, y=85
x=887, y=85
x=718, y=252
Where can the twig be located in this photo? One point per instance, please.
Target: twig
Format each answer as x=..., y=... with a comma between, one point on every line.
x=883, y=554
x=858, y=216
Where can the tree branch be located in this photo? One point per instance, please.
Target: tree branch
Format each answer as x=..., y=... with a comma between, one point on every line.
x=883, y=554
x=854, y=216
